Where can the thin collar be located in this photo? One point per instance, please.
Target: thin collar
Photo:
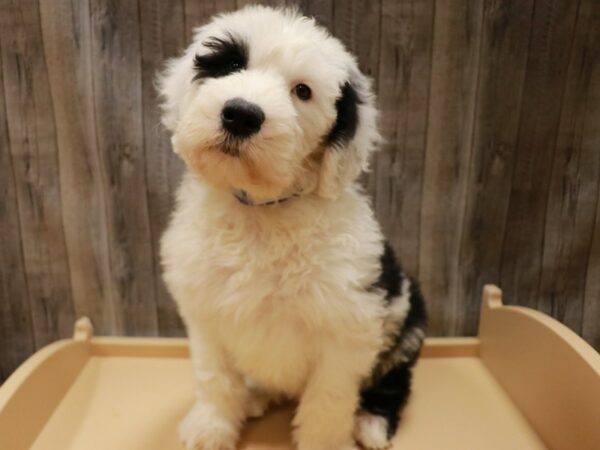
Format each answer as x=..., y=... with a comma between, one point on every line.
x=245, y=199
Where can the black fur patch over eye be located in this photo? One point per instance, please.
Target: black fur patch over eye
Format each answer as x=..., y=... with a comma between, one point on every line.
x=346, y=123
x=227, y=56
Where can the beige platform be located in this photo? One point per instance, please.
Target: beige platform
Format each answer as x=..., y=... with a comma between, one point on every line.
x=527, y=382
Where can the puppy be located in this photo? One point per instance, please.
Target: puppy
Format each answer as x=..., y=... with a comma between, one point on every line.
x=278, y=266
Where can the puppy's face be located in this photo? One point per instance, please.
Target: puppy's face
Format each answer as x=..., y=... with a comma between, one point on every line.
x=267, y=102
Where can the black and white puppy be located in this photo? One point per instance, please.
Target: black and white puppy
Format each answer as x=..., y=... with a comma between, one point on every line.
x=279, y=268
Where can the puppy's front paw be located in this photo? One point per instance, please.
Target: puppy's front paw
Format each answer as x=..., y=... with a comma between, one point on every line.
x=371, y=431
x=204, y=429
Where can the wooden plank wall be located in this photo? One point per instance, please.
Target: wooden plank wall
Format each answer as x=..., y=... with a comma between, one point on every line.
x=490, y=173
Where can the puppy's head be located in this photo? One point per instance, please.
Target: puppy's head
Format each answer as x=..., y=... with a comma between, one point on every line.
x=268, y=102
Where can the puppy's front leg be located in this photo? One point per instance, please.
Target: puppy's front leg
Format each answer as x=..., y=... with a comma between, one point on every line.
x=325, y=416
x=214, y=421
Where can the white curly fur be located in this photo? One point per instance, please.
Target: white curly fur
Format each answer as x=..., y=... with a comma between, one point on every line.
x=273, y=294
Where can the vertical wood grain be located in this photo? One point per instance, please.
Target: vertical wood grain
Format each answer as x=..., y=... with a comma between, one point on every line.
x=590, y=329
x=452, y=107
x=163, y=36
x=67, y=44
x=573, y=192
x=588, y=45
x=357, y=24
x=551, y=40
x=396, y=179
x=16, y=333
x=490, y=172
x=321, y=10
x=276, y=3
x=116, y=58
x=34, y=155
x=199, y=13
x=504, y=49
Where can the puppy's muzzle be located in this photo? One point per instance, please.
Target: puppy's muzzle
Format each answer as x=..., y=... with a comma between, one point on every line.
x=241, y=118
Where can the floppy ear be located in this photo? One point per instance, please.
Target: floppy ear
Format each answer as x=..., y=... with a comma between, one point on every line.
x=352, y=138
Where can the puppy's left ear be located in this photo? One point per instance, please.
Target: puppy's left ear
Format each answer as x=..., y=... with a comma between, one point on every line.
x=352, y=138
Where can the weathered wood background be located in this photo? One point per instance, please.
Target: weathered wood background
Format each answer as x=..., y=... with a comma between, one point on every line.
x=491, y=171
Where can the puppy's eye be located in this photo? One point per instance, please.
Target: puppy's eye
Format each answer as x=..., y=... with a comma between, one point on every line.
x=303, y=92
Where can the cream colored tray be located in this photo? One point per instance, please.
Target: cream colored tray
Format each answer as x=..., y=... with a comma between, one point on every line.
x=527, y=382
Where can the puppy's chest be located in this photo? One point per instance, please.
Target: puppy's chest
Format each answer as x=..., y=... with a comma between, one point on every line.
x=263, y=298
x=275, y=352
x=258, y=275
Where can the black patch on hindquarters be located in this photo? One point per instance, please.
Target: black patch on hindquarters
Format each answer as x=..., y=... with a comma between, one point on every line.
x=389, y=391
x=388, y=395
x=228, y=55
x=415, y=321
x=390, y=278
x=417, y=314
x=346, y=121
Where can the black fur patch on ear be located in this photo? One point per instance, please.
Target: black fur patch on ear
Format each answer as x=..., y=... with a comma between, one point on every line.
x=346, y=123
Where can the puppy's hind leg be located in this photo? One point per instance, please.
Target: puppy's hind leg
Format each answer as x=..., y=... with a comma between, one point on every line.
x=381, y=404
x=382, y=401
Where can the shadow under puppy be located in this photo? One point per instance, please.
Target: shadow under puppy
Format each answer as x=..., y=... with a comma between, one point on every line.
x=279, y=268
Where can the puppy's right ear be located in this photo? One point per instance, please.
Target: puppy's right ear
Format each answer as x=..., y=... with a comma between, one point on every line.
x=174, y=84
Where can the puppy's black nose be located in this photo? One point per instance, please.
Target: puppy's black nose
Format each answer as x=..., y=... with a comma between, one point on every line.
x=241, y=118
